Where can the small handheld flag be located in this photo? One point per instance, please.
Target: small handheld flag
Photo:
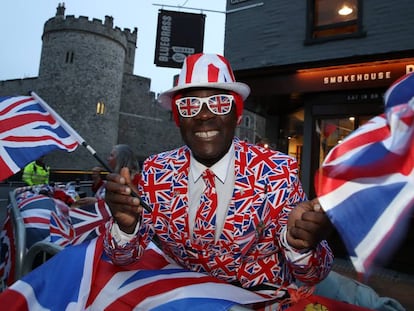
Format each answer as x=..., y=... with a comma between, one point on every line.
x=365, y=184
x=83, y=142
x=70, y=130
x=28, y=131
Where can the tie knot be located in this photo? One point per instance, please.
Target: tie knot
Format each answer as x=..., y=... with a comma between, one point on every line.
x=208, y=177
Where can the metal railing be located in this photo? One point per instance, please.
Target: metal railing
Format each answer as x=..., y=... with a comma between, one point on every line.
x=19, y=232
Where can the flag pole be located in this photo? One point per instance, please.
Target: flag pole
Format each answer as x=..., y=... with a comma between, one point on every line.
x=81, y=141
x=70, y=130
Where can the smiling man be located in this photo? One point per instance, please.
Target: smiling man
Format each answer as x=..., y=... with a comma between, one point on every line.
x=220, y=206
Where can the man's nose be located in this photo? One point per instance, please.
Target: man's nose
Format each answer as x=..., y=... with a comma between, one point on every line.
x=205, y=112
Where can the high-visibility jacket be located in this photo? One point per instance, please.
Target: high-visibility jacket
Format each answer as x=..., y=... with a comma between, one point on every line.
x=34, y=174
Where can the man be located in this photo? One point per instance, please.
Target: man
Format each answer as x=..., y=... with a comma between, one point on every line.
x=257, y=230
x=36, y=172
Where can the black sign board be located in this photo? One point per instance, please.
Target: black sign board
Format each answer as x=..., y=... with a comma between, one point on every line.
x=179, y=34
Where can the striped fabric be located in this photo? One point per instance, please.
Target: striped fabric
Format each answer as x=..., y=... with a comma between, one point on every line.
x=27, y=132
x=366, y=183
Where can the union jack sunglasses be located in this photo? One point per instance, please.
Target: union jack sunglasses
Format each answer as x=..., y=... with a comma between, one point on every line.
x=220, y=104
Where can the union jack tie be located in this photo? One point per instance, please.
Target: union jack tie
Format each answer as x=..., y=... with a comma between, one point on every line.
x=205, y=221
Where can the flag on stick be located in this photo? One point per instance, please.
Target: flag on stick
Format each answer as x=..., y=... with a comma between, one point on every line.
x=365, y=184
x=80, y=140
x=29, y=130
x=70, y=130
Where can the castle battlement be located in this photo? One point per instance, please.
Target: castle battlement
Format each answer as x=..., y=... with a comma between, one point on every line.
x=96, y=26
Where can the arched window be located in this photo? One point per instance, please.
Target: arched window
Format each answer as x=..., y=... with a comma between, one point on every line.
x=247, y=121
x=69, y=57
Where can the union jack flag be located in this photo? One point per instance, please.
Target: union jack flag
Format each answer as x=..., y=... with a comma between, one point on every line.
x=28, y=130
x=366, y=183
x=37, y=212
x=79, y=278
x=51, y=220
x=84, y=224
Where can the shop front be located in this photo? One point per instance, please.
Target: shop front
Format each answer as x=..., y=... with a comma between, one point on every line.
x=309, y=111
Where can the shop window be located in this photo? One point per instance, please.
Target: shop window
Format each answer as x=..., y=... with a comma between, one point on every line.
x=293, y=136
x=334, y=19
x=332, y=132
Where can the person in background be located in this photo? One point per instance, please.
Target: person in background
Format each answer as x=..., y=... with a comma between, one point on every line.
x=121, y=156
x=36, y=172
x=98, y=183
x=256, y=230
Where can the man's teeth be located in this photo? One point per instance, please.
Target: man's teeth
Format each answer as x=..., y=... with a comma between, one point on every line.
x=206, y=134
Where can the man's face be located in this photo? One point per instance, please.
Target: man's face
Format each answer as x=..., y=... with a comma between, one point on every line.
x=96, y=174
x=209, y=136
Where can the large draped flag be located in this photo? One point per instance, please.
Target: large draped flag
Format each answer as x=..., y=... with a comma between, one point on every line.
x=366, y=183
x=47, y=219
x=29, y=129
x=79, y=278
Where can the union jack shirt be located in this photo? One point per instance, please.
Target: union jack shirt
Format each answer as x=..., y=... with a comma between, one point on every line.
x=249, y=250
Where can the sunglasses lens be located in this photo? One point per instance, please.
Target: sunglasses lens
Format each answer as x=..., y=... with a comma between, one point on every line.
x=220, y=104
x=188, y=106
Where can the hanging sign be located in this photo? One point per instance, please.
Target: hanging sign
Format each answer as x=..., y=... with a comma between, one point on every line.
x=179, y=34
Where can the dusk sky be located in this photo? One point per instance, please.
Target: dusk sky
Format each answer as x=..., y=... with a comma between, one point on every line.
x=22, y=21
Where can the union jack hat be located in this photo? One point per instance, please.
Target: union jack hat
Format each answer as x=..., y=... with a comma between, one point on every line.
x=205, y=71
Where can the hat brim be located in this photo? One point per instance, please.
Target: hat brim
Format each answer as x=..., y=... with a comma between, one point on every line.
x=238, y=87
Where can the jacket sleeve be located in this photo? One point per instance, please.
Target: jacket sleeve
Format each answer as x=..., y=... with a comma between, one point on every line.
x=319, y=260
x=124, y=254
x=269, y=258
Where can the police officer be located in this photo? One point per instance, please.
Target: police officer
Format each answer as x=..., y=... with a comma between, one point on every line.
x=36, y=172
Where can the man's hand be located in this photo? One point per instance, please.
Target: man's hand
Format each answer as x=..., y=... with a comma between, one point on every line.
x=307, y=225
x=125, y=208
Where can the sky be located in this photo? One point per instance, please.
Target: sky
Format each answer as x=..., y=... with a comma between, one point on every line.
x=22, y=21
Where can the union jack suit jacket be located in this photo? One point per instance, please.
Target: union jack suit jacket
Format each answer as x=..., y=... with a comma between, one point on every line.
x=249, y=251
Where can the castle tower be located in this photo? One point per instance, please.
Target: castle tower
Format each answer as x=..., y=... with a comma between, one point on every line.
x=130, y=50
x=82, y=64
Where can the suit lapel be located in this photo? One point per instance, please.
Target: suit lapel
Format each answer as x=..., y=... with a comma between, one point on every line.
x=179, y=199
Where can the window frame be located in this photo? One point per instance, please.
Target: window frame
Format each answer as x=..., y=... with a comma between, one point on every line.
x=310, y=28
